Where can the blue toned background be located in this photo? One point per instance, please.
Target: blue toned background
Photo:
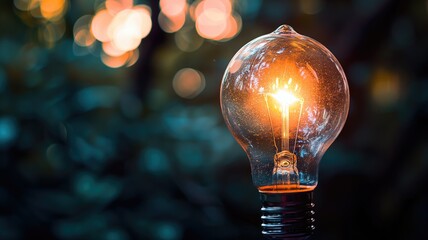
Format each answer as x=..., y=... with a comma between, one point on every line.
x=129, y=143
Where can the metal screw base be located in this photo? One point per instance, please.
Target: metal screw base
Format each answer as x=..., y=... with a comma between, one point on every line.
x=287, y=215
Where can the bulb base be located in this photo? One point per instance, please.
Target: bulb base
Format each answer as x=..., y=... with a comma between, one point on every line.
x=287, y=215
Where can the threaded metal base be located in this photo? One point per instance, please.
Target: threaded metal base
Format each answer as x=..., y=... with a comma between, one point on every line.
x=287, y=215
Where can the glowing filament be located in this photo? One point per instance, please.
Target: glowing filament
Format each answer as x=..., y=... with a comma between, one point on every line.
x=284, y=98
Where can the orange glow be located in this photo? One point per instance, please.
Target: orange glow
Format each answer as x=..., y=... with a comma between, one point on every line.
x=81, y=31
x=143, y=14
x=125, y=41
x=111, y=50
x=285, y=188
x=115, y=6
x=173, y=23
x=133, y=57
x=224, y=6
x=173, y=15
x=125, y=29
x=128, y=27
x=51, y=9
x=114, y=58
x=215, y=20
x=173, y=8
x=114, y=62
x=284, y=97
x=84, y=38
x=120, y=27
x=188, y=83
x=211, y=23
x=192, y=9
x=100, y=24
x=385, y=87
x=234, y=25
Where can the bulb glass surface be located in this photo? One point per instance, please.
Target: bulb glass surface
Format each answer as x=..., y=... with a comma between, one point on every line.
x=285, y=98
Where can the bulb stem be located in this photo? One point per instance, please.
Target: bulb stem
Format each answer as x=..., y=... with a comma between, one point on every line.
x=285, y=170
x=287, y=215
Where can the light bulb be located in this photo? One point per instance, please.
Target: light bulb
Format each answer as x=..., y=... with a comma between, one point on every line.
x=285, y=98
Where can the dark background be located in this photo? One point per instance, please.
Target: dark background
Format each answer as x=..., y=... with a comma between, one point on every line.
x=91, y=152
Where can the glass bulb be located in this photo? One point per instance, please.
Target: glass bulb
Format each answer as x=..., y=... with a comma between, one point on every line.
x=285, y=98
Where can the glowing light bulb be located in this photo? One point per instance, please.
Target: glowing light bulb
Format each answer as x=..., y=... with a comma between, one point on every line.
x=285, y=98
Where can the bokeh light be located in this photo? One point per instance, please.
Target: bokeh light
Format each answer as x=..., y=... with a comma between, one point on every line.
x=212, y=19
x=51, y=32
x=119, y=26
x=188, y=40
x=23, y=5
x=143, y=14
x=172, y=8
x=223, y=6
x=215, y=20
x=188, y=83
x=114, y=61
x=84, y=38
x=82, y=33
x=133, y=57
x=115, y=6
x=111, y=50
x=172, y=15
x=100, y=24
x=233, y=27
x=123, y=30
x=49, y=16
x=385, y=88
x=173, y=23
x=52, y=9
x=310, y=6
x=211, y=23
x=117, y=60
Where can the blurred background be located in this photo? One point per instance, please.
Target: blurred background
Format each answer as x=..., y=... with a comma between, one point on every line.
x=110, y=125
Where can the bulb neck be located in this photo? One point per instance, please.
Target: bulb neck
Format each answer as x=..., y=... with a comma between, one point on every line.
x=285, y=170
x=287, y=215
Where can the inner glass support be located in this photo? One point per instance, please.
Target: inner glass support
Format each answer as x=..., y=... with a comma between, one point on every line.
x=285, y=169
